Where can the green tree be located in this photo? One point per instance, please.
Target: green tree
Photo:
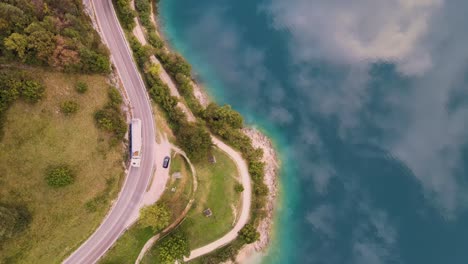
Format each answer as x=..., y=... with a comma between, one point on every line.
x=221, y=119
x=156, y=216
x=125, y=13
x=59, y=176
x=173, y=248
x=93, y=62
x=195, y=140
x=17, y=43
x=43, y=43
x=249, y=234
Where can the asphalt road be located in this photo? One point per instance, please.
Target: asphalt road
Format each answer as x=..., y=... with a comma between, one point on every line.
x=137, y=179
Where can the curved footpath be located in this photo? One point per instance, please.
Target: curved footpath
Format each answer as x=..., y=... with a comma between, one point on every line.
x=137, y=180
x=181, y=217
x=246, y=202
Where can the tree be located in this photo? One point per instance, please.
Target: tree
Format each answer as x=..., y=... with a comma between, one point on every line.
x=249, y=234
x=154, y=70
x=93, y=62
x=174, y=248
x=17, y=43
x=156, y=216
x=195, y=140
x=43, y=43
x=125, y=13
x=221, y=119
x=59, y=176
x=256, y=170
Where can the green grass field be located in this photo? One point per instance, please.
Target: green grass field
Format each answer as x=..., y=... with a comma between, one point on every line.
x=215, y=191
x=39, y=135
x=128, y=247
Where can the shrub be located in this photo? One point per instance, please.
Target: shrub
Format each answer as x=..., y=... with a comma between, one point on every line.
x=174, y=248
x=93, y=62
x=59, y=176
x=125, y=13
x=69, y=107
x=115, y=99
x=81, y=87
x=239, y=187
x=249, y=234
x=13, y=220
x=32, y=91
x=110, y=117
x=155, y=40
x=111, y=120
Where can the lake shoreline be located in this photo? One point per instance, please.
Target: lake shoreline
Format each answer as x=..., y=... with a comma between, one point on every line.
x=270, y=158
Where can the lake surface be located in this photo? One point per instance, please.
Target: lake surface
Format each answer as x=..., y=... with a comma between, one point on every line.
x=366, y=102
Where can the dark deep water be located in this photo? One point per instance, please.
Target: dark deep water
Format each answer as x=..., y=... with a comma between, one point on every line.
x=373, y=140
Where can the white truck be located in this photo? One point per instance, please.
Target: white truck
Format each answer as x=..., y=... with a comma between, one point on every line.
x=135, y=142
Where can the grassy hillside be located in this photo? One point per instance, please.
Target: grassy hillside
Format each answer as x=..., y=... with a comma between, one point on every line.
x=39, y=135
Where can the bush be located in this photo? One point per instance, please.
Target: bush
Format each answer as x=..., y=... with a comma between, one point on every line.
x=144, y=10
x=111, y=120
x=115, y=99
x=125, y=13
x=81, y=87
x=239, y=187
x=69, y=107
x=59, y=176
x=32, y=91
x=110, y=117
x=174, y=248
x=155, y=40
x=249, y=234
x=93, y=62
x=13, y=220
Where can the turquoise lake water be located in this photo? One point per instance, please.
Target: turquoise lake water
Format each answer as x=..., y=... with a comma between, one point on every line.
x=372, y=131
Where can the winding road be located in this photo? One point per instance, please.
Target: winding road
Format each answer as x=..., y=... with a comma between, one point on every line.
x=137, y=180
x=134, y=191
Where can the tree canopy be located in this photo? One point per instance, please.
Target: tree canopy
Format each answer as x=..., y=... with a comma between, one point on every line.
x=156, y=216
x=222, y=118
x=249, y=234
x=195, y=140
x=52, y=33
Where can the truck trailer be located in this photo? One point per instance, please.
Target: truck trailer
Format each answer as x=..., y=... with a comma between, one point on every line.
x=135, y=142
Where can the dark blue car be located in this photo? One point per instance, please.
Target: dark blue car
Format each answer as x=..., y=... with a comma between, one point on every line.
x=166, y=162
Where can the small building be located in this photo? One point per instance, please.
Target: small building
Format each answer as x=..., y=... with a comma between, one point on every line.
x=207, y=212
